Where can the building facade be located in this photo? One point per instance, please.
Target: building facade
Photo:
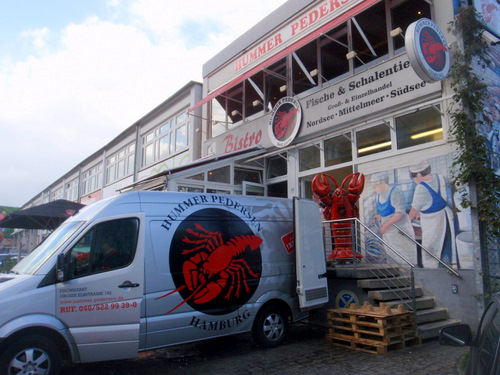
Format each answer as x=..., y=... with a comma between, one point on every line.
x=335, y=87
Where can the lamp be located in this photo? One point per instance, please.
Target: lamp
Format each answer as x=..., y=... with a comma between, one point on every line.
x=427, y=133
x=256, y=103
x=236, y=113
x=283, y=88
x=374, y=147
x=396, y=32
x=351, y=55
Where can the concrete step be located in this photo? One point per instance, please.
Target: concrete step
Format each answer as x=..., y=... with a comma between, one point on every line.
x=385, y=282
x=431, y=330
x=368, y=271
x=424, y=302
x=432, y=315
x=393, y=294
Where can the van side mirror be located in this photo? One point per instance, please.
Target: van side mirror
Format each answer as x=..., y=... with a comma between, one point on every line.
x=457, y=335
x=60, y=267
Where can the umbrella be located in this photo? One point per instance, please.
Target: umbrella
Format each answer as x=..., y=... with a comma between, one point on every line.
x=45, y=216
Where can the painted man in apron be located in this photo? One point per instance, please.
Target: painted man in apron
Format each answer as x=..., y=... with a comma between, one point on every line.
x=436, y=217
x=391, y=210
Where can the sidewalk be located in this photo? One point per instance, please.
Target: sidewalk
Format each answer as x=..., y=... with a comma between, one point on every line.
x=305, y=352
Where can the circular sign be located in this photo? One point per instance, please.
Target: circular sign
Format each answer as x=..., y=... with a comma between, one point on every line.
x=215, y=261
x=427, y=50
x=284, y=122
x=345, y=298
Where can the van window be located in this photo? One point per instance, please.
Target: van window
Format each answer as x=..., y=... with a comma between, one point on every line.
x=107, y=246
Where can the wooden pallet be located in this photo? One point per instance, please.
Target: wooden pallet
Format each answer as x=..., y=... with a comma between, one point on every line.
x=372, y=329
x=370, y=346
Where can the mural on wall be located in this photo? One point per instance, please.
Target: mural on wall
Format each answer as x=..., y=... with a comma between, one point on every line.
x=6, y=240
x=421, y=202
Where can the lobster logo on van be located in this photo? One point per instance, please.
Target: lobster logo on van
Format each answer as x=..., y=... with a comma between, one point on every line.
x=215, y=261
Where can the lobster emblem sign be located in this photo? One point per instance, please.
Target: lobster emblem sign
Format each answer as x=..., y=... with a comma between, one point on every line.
x=284, y=122
x=215, y=262
x=339, y=204
x=434, y=51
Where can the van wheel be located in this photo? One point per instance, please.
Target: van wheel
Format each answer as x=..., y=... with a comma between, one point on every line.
x=270, y=327
x=31, y=355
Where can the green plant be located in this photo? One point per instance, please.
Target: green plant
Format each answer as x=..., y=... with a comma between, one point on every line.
x=471, y=165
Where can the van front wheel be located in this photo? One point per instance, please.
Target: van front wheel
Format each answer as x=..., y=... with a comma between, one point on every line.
x=32, y=354
x=270, y=327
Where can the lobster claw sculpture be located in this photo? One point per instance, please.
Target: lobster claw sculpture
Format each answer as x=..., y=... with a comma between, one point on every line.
x=339, y=204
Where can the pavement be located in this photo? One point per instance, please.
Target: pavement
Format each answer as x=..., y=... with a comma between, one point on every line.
x=306, y=351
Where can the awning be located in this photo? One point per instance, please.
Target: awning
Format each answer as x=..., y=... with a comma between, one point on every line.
x=294, y=46
x=45, y=216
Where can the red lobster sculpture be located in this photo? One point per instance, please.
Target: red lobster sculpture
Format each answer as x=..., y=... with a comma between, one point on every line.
x=339, y=204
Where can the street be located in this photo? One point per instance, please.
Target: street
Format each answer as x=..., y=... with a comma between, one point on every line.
x=305, y=352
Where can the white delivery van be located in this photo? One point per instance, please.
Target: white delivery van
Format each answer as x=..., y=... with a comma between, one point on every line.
x=144, y=270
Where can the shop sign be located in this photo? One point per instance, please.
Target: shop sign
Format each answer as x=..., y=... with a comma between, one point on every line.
x=388, y=85
x=311, y=19
x=284, y=122
x=428, y=51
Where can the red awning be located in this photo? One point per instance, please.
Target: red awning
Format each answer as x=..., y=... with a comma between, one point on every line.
x=308, y=38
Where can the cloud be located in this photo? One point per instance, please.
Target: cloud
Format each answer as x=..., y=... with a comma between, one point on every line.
x=82, y=85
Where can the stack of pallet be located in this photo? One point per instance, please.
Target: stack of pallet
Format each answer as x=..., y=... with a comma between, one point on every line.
x=372, y=329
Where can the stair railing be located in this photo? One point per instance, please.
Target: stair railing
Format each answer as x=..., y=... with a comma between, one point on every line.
x=451, y=270
x=358, y=242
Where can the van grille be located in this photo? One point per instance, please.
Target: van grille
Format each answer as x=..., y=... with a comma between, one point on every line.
x=314, y=294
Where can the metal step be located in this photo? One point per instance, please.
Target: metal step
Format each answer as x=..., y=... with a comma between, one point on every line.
x=431, y=330
x=392, y=294
x=386, y=282
x=431, y=315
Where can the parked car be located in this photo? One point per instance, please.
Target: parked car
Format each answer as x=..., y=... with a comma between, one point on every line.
x=485, y=346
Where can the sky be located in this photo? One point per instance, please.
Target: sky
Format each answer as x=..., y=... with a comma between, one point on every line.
x=76, y=73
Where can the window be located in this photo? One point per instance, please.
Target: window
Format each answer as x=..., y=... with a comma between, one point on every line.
x=369, y=35
x=309, y=158
x=338, y=150
x=333, y=48
x=275, y=83
x=277, y=166
x=405, y=13
x=220, y=175
x=164, y=140
x=71, y=190
x=92, y=179
x=372, y=140
x=419, y=127
x=304, y=61
x=107, y=246
x=250, y=175
x=57, y=194
x=120, y=164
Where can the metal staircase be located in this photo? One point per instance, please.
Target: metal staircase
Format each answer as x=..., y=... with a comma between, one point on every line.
x=388, y=278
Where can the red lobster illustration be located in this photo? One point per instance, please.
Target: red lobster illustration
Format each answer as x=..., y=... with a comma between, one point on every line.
x=282, y=121
x=433, y=50
x=213, y=264
x=339, y=205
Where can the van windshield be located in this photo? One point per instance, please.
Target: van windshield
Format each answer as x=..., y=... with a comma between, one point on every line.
x=31, y=263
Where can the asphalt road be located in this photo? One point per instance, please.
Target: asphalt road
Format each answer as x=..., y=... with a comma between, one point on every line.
x=305, y=352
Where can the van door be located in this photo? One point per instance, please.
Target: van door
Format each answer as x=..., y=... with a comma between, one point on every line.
x=100, y=299
x=312, y=285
